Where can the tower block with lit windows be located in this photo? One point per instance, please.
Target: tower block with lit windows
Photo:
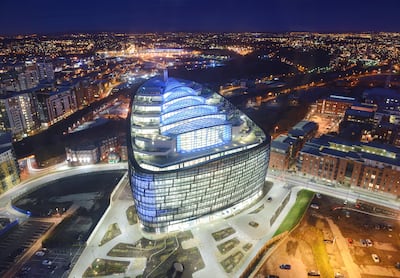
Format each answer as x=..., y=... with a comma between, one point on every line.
x=193, y=156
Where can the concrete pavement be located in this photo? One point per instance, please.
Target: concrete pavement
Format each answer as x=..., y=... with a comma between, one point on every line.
x=202, y=235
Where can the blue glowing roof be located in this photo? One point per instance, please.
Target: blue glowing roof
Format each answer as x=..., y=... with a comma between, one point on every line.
x=195, y=125
x=186, y=121
x=182, y=102
x=178, y=92
x=187, y=113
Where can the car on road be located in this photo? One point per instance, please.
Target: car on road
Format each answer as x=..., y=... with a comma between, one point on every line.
x=285, y=266
x=376, y=258
x=47, y=262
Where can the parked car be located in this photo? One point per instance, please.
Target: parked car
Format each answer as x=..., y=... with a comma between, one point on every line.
x=314, y=206
x=376, y=258
x=269, y=199
x=350, y=240
x=363, y=242
x=39, y=253
x=285, y=266
x=369, y=242
x=339, y=275
x=314, y=273
x=47, y=262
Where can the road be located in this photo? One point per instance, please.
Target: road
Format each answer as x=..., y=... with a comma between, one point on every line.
x=47, y=175
x=351, y=194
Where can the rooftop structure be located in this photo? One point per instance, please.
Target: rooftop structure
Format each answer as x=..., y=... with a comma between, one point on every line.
x=304, y=130
x=192, y=154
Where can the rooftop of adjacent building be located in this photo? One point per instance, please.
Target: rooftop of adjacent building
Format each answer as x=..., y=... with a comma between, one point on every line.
x=282, y=143
x=360, y=113
x=335, y=146
x=5, y=141
x=339, y=98
x=302, y=128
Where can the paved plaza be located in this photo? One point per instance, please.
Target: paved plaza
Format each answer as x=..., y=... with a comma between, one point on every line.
x=242, y=234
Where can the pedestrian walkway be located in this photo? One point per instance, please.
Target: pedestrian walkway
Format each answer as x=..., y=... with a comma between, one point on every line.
x=351, y=268
x=260, y=213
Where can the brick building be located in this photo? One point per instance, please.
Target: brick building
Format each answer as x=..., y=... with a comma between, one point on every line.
x=370, y=166
x=334, y=105
x=284, y=148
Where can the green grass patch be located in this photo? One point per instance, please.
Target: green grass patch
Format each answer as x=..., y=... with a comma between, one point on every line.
x=232, y=261
x=227, y=246
x=221, y=234
x=131, y=215
x=247, y=246
x=296, y=212
x=102, y=267
x=112, y=232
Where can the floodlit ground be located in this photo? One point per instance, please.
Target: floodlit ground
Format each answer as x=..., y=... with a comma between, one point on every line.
x=327, y=241
x=325, y=123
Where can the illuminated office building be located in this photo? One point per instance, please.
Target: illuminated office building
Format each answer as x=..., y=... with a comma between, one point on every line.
x=9, y=170
x=193, y=156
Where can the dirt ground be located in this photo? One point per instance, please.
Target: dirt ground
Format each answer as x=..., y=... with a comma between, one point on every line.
x=329, y=240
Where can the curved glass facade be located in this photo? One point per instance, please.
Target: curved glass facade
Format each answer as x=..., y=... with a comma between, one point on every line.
x=192, y=162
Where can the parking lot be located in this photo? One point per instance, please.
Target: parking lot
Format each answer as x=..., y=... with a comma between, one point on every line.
x=49, y=263
x=339, y=239
x=16, y=242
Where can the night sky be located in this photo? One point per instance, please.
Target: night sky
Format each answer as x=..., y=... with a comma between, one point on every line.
x=63, y=16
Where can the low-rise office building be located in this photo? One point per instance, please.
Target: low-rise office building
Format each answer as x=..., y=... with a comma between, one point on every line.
x=334, y=105
x=84, y=154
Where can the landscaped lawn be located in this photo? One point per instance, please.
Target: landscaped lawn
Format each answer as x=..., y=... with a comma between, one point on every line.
x=296, y=212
